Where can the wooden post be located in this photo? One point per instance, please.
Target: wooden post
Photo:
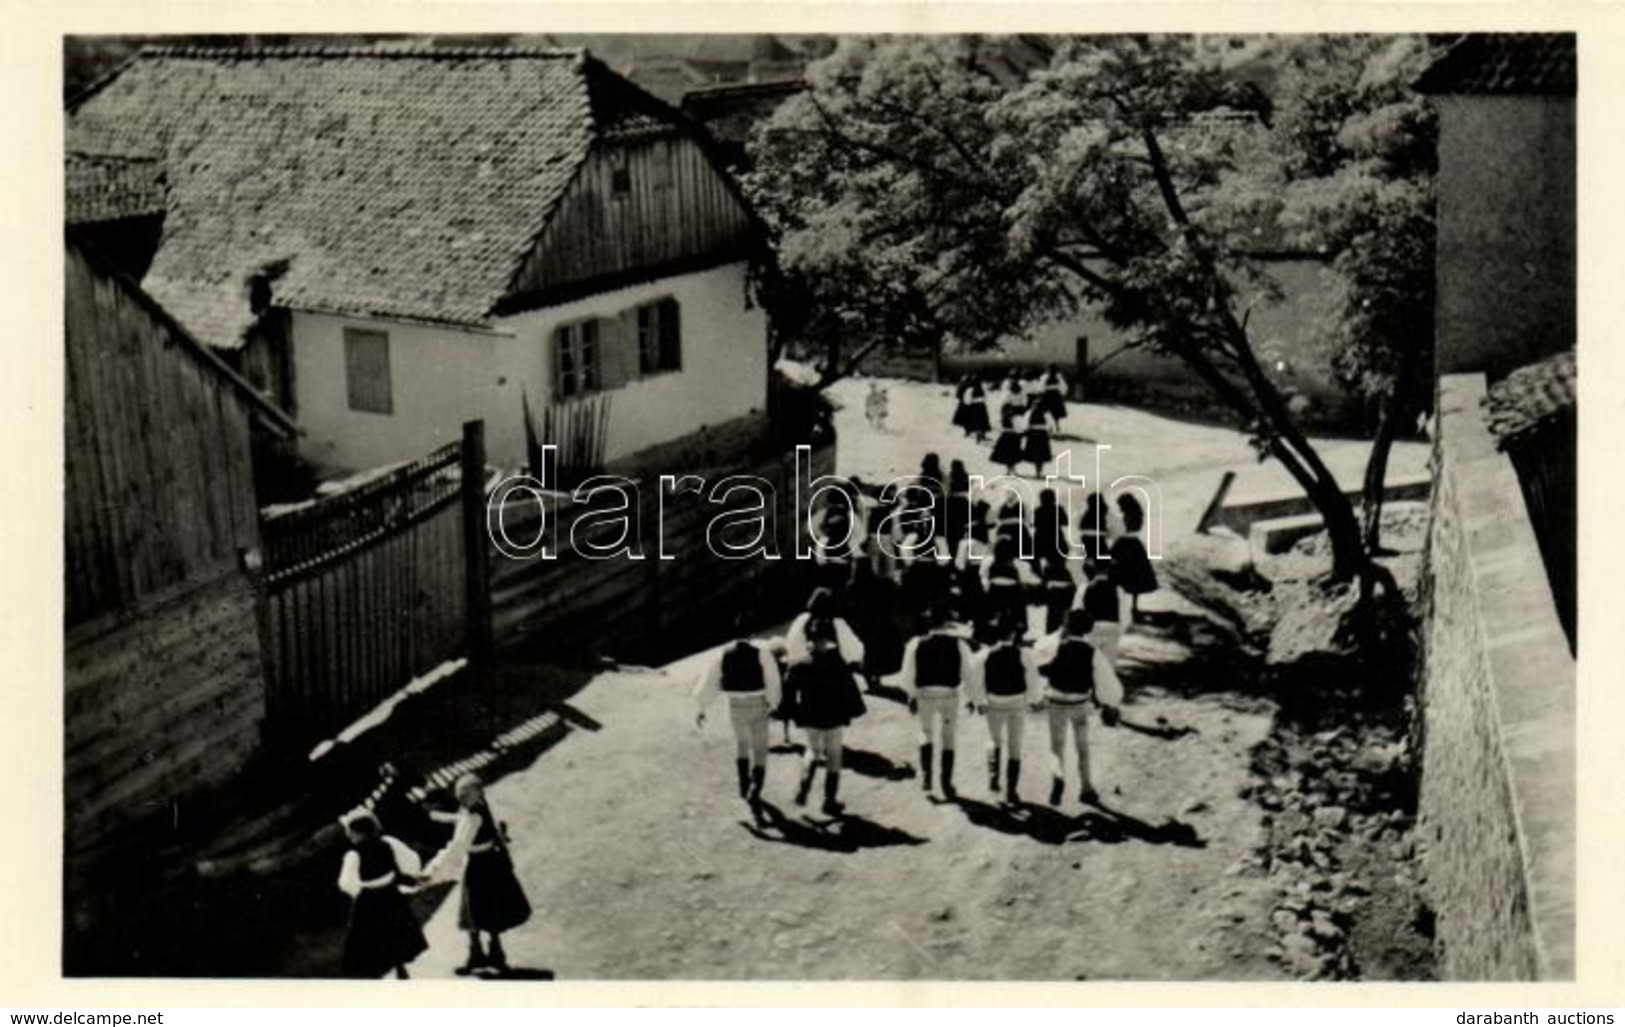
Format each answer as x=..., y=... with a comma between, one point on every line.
x=476, y=556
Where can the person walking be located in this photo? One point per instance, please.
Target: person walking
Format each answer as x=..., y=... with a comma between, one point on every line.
x=748, y=675
x=1004, y=684
x=970, y=410
x=824, y=657
x=1007, y=581
x=1131, y=566
x=492, y=902
x=936, y=667
x=381, y=934
x=1076, y=676
x=1051, y=402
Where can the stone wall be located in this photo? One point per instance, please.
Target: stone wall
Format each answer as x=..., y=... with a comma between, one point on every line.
x=1498, y=780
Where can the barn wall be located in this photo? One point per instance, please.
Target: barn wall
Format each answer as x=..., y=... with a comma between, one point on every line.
x=162, y=707
x=159, y=479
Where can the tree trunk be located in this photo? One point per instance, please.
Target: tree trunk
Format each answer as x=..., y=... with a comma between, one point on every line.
x=1376, y=476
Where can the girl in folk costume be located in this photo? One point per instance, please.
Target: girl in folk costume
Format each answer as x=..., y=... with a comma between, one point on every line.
x=835, y=544
x=1007, y=447
x=1094, y=527
x=1004, y=684
x=1049, y=530
x=1050, y=406
x=1076, y=675
x=966, y=602
x=936, y=669
x=382, y=934
x=956, y=512
x=492, y=900
x=872, y=605
x=749, y=676
x=925, y=587
x=970, y=411
x=1012, y=400
x=1059, y=591
x=1035, y=444
x=1100, y=599
x=1131, y=567
x=1006, y=583
x=823, y=657
x=932, y=481
x=1011, y=522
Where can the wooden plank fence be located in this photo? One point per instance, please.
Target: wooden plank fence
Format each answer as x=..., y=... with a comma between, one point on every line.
x=365, y=591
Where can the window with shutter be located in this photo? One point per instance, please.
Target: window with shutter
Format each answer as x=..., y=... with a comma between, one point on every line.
x=660, y=347
x=366, y=371
x=577, y=359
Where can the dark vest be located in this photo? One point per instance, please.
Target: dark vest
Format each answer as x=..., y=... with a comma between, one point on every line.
x=742, y=669
x=1100, y=601
x=1072, y=672
x=377, y=859
x=1006, y=674
x=936, y=662
x=486, y=833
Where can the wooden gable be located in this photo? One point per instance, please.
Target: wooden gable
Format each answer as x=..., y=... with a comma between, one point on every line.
x=640, y=207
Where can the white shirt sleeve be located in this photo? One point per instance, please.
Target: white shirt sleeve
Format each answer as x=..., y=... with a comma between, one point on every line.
x=405, y=859
x=1025, y=574
x=905, y=677
x=975, y=675
x=350, y=874
x=448, y=862
x=1108, y=687
x=850, y=645
x=796, y=649
x=709, y=683
x=770, y=677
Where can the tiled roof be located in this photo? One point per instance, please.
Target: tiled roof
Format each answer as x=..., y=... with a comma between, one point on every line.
x=1530, y=396
x=396, y=181
x=109, y=187
x=1506, y=63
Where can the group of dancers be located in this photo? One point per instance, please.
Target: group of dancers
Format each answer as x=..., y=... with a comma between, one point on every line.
x=1029, y=413
x=379, y=871
x=1001, y=615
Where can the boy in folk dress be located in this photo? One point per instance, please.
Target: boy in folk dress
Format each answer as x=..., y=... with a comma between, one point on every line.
x=1004, y=684
x=936, y=670
x=1077, y=675
x=749, y=676
x=492, y=900
x=382, y=934
x=823, y=698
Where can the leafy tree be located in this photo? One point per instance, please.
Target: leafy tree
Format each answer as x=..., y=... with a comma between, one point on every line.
x=1356, y=149
x=992, y=187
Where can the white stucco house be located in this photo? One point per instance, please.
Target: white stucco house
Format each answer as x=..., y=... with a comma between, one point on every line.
x=389, y=242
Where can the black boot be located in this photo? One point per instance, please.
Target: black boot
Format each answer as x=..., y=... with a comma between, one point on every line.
x=476, y=956
x=805, y=788
x=758, y=779
x=993, y=771
x=497, y=959
x=1057, y=788
x=832, y=788
x=743, y=767
x=948, y=775
x=925, y=767
x=1012, y=775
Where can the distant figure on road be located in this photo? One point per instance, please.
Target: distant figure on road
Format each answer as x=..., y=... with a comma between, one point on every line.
x=1077, y=676
x=875, y=406
x=748, y=676
x=1007, y=580
x=1004, y=684
x=492, y=901
x=970, y=411
x=824, y=657
x=1050, y=405
x=936, y=668
x=1007, y=447
x=382, y=934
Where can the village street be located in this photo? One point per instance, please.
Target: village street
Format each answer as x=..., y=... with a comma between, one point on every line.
x=642, y=863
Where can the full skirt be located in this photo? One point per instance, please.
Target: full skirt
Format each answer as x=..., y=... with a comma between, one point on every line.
x=382, y=934
x=492, y=898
